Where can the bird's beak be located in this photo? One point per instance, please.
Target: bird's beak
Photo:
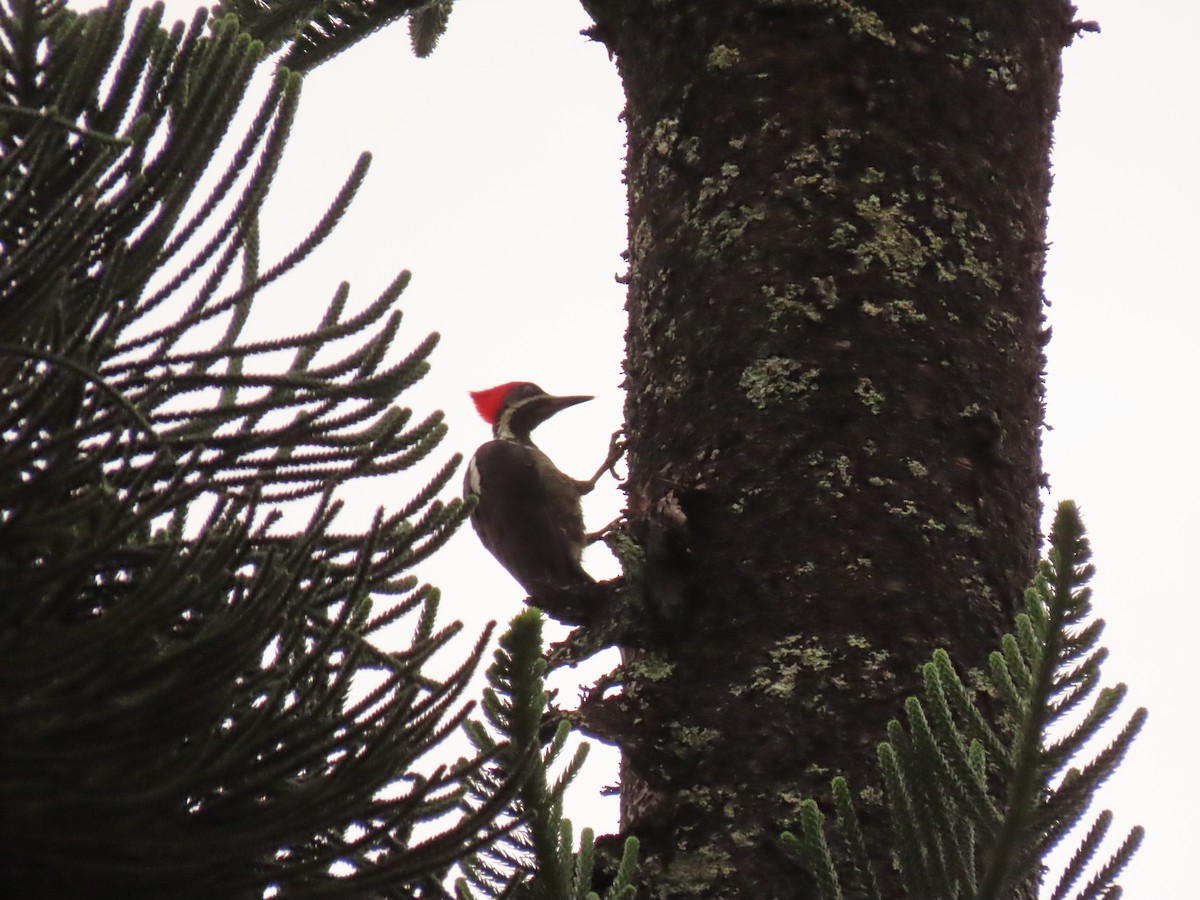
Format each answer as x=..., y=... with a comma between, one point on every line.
x=538, y=409
x=552, y=405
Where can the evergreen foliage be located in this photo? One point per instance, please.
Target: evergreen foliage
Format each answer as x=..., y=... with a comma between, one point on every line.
x=536, y=860
x=947, y=768
x=427, y=25
x=191, y=702
x=311, y=32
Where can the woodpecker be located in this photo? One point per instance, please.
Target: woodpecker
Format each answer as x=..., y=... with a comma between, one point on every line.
x=528, y=513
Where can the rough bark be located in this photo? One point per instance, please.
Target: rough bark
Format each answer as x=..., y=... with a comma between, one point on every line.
x=834, y=357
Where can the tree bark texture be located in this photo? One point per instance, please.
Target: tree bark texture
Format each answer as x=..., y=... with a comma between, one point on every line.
x=836, y=233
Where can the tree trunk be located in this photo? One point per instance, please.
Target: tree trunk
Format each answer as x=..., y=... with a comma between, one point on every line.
x=834, y=357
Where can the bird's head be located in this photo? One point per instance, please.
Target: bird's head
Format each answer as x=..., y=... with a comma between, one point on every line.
x=515, y=408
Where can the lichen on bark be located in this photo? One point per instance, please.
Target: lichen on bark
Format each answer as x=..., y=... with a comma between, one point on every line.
x=837, y=222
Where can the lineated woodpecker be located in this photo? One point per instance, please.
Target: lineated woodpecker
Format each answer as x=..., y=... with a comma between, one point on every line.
x=529, y=514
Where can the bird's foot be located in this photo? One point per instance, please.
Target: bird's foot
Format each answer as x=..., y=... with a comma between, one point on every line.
x=616, y=449
x=592, y=536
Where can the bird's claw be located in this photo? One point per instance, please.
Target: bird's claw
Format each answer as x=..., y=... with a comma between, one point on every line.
x=616, y=449
x=593, y=536
x=617, y=445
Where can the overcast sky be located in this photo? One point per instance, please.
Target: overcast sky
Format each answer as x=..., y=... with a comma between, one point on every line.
x=496, y=180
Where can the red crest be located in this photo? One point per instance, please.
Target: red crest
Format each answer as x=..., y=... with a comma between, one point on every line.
x=489, y=402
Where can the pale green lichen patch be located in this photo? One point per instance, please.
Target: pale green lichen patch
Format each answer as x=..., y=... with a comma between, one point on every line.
x=713, y=186
x=967, y=233
x=794, y=303
x=1001, y=68
x=723, y=57
x=970, y=529
x=893, y=239
x=641, y=237
x=628, y=552
x=786, y=304
x=689, y=149
x=876, y=661
x=872, y=398
x=903, y=234
x=650, y=667
x=969, y=524
x=817, y=164
x=861, y=20
x=728, y=227
x=908, y=510
x=800, y=669
x=794, y=800
x=717, y=222
x=665, y=136
x=743, y=840
x=789, y=658
x=815, y=658
x=898, y=312
x=694, y=737
x=917, y=468
x=970, y=411
x=1005, y=77
x=885, y=234
x=871, y=796
x=777, y=379
x=831, y=475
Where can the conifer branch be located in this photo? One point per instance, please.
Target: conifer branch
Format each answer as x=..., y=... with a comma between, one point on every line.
x=953, y=838
x=537, y=858
x=196, y=704
x=315, y=32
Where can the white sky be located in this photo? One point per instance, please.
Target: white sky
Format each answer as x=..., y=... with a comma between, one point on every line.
x=496, y=179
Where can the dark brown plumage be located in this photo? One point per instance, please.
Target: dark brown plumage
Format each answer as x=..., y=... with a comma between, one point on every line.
x=528, y=514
